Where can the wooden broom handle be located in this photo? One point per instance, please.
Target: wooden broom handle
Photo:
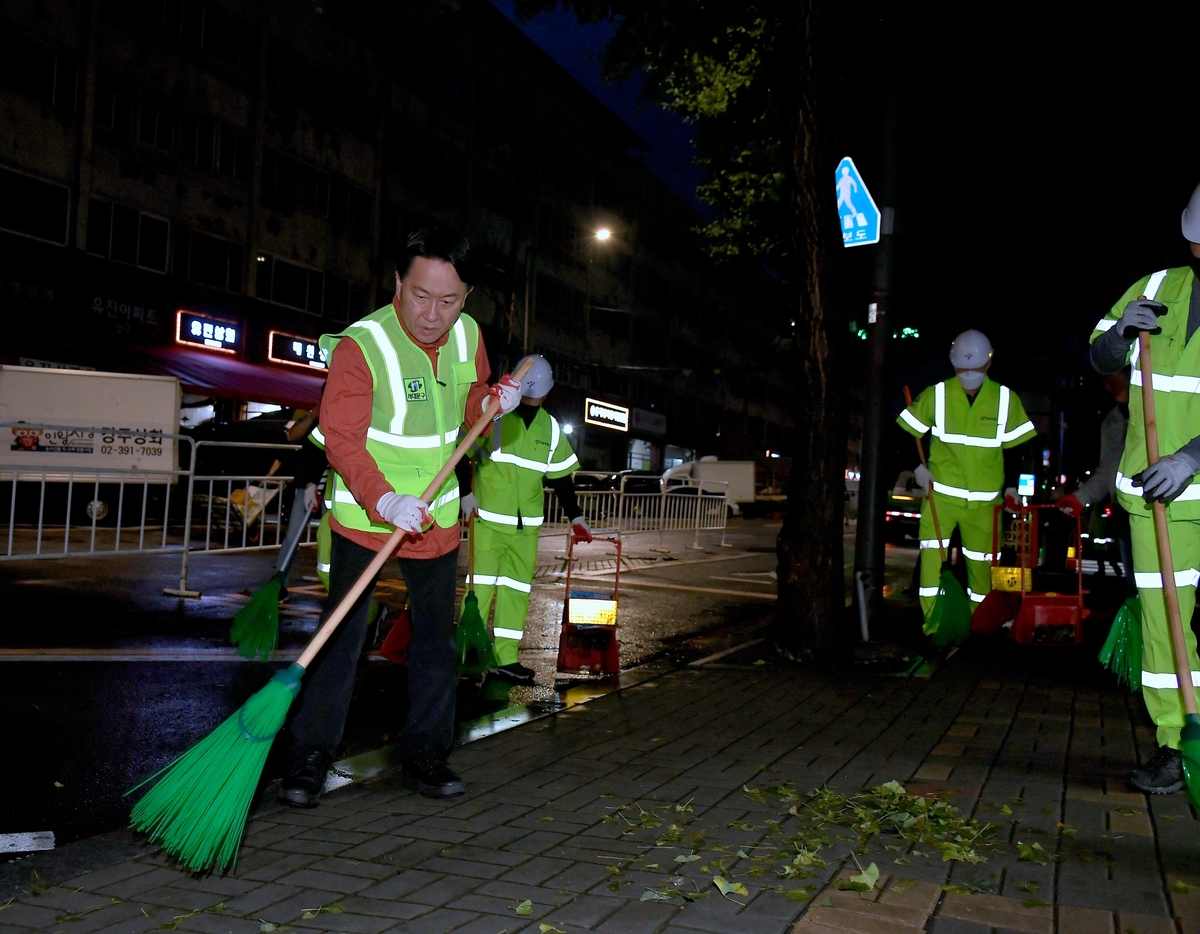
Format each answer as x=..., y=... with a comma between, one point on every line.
x=471, y=553
x=1166, y=561
x=368, y=576
x=937, y=527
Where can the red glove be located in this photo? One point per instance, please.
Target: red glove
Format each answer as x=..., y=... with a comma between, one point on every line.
x=508, y=391
x=580, y=530
x=1069, y=504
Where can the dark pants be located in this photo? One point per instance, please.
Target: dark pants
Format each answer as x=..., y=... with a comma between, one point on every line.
x=297, y=522
x=432, y=676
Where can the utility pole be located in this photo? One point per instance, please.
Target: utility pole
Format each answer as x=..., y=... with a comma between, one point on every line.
x=873, y=485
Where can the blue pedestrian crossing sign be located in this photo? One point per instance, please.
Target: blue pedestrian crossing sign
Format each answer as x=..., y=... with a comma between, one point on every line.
x=857, y=212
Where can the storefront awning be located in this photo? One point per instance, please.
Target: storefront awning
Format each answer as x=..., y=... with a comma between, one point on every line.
x=218, y=374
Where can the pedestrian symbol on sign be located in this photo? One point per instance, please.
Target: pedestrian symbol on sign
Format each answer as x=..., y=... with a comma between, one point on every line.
x=857, y=212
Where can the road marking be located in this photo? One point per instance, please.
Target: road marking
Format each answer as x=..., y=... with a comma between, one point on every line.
x=658, y=585
x=742, y=580
x=712, y=658
x=27, y=842
x=147, y=655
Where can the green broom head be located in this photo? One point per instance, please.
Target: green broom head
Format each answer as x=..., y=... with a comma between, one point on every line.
x=1122, y=650
x=255, y=629
x=950, y=621
x=474, y=645
x=1189, y=746
x=197, y=811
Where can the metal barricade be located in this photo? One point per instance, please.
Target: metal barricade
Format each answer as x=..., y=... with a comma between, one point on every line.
x=44, y=503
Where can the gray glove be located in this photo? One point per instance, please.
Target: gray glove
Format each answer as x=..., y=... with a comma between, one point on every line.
x=1168, y=478
x=1141, y=315
x=923, y=477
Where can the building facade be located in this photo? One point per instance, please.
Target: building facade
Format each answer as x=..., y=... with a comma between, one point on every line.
x=202, y=188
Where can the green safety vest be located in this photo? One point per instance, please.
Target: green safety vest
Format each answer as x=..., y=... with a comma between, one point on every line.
x=1176, y=378
x=966, y=454
x=508, y=482
x=415, y=412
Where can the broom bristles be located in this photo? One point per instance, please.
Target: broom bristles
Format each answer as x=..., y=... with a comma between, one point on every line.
x=1122, y=650
x=255, y=629
x=472, y=634
x=197, y=810
x=1189, y=747
x=950, y=621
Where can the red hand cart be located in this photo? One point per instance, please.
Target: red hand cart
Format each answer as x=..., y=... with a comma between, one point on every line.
x=588, y=641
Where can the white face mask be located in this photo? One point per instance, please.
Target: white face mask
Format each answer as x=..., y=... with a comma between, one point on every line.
x=971, y=379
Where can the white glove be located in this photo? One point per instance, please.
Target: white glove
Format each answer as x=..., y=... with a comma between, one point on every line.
x=508, y=391
x=581, y=530
x=469, y=505
x=1168, y=478
x=923, y=477
x=1139, y=315
x=310, y=498
x=403, y=511
x=1012, y=502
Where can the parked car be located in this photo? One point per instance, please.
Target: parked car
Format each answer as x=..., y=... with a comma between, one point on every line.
x=903, y=517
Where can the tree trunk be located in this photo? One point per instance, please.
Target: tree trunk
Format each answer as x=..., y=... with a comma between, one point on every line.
x=809, y=616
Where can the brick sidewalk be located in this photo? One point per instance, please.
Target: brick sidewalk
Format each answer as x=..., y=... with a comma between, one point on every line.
x=615, y=816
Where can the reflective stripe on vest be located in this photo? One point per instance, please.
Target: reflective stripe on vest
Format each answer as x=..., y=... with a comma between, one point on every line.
x=1153, y=284
x=411, y=441
x=530, y=522
x=317, y=435
x=914, y=421
x=392, y=363
x=939, y=423
x=1148, y=580
x=1127, y=486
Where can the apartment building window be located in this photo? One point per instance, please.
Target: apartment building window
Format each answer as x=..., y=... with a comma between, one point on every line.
x=294, y=184
x=155, y=129
x=292, y=79
x=284, y=283
x=214, y=145
x=344, y=300
x=208, y=260
x=32, y=207
x=349, y=206
x=38, y=70
x=127, y=235
x=201, y=25
x=115, y=109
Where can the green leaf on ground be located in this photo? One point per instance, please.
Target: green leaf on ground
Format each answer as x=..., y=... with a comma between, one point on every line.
x=613, y=870
x=1180, y=887
x=726, y=888
x=266, y=927
x=1005, y=809
x=651, y=866
x=892, y=787
x=524, y=909
x=1034, y=903
x=689, y=858
x=544, y=928
x=650, y=895
x=802, y=894
x=1028, y=886
x=863, y=882
x=951, y=889
x=1033, y=853
x=1067, y=829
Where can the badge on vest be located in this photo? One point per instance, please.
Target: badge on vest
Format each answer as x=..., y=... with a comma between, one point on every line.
x=414, y=389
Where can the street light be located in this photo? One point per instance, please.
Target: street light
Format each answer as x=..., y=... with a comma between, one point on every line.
x=603, y=234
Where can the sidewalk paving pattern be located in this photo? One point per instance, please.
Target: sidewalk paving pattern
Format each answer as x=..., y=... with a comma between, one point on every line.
x=549, y=824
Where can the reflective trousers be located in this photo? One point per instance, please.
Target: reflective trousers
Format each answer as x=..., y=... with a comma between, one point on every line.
x=975, y=527
x=505, y=559
x=1160, y=686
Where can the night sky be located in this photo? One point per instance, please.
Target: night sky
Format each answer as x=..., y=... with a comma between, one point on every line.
x=1045, y=157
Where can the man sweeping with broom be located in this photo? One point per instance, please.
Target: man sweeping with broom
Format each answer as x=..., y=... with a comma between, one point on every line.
x=401, y=382
x=1166, y=305
x=973, y=420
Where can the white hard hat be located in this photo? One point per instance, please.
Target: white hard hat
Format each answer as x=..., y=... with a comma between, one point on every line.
x=1190, y=222
x=539, y=380
x=970, y=350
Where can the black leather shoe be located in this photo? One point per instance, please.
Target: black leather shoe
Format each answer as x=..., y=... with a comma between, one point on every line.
x=302, y=789
x=432, y=777
x=1162, y=775
x=516, y=673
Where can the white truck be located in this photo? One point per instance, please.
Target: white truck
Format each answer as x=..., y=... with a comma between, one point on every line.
x=110, y=422
x=738, y=475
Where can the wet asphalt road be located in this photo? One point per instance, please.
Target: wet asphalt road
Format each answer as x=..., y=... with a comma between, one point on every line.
x=80, y=732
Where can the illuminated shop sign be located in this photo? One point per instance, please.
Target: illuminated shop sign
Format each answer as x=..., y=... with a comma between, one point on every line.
x=294, y=350
x=606, y=414
x=203, y=331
